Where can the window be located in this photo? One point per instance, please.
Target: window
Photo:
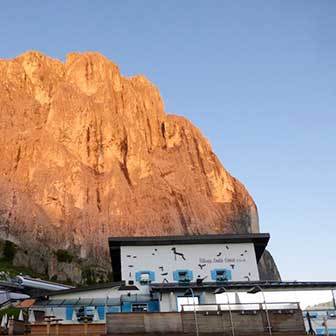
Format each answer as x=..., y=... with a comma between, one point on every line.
x=145, y=277
x=183, y=276
x=186, y=300
x=139, y=307
x=221, y=275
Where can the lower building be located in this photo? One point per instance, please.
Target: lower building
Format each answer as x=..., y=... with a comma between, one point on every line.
x=176, y=280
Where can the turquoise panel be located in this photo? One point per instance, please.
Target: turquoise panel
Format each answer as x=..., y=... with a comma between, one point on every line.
x=153, y=306
x=68, y=313
x=126, y=307
x=101, y=312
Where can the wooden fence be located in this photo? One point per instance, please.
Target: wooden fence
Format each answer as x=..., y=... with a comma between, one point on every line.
x=282, y=323
x=82, y=329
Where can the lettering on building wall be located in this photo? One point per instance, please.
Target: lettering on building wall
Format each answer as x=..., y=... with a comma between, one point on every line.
x=220, y=261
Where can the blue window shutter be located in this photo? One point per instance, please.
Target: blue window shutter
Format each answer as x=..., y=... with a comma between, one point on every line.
x=190, y=275
x=176, y=276
x=228, y=274
x=214, y=275
x=68, y=313
x=137, y=276
x=101, y=312
x=151, y=276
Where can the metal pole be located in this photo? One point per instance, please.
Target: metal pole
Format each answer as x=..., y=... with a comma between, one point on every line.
x=333, y=298
x=48, y=327
x=195, y=314
x=311, y=330
x=230, y=312
x=267, y=316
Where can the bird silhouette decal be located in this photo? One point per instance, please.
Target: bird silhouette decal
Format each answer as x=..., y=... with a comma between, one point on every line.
x=178, y=253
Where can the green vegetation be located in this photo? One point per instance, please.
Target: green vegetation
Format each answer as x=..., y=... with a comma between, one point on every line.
x=89, y=276
x=109, y=277
x=64, y=256
x=54, y=278
x=92, y=276
x=7, y=266
x=8, y=251
x=11, y=311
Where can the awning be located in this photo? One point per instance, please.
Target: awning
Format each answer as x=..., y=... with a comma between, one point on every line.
x=79, y=302
x=26, y=303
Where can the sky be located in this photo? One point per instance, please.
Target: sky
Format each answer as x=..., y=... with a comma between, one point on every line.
x=257, y=77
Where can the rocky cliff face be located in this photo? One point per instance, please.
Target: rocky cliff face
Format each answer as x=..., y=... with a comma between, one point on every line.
x=87, y=154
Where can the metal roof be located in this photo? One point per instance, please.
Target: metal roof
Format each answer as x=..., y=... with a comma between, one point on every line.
x=120, y=285
x=78, y=302
x=246, y=285
x=84, y=289
x=259, y=240
x=10, y=285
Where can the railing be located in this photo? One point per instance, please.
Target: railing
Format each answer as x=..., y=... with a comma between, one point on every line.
x=241, y=306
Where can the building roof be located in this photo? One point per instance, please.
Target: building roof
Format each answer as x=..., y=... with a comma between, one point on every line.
x=30, y=282
x=10, y=285
x=259, y=240
x=77, y=302
x=84, y=289
x=120, y=285
x=246, y=285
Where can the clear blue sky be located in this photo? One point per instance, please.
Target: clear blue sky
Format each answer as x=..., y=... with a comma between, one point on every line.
x=258, y=78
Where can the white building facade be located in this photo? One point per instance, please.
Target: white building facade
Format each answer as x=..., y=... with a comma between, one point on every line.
x=202, y=263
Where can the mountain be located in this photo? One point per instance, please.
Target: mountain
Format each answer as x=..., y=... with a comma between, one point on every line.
x=88, y=154
x=323, y=305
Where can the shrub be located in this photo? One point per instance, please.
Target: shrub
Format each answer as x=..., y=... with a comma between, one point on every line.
x=89, y=277
x=54, y=278
x=64, y=256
